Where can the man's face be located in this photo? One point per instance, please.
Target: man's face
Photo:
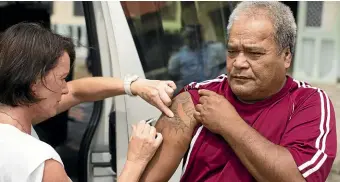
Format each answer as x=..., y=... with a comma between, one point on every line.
x=51, y=88
x=256, y=68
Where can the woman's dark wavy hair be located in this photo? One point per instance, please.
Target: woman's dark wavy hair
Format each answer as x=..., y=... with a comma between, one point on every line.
x=28, y=51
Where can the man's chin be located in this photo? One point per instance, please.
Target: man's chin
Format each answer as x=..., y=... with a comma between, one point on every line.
x=242, y=91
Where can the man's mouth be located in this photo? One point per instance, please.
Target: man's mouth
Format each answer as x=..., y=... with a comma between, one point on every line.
x=242, y=77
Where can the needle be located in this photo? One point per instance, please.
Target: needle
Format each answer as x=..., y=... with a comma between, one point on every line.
x=149, y=121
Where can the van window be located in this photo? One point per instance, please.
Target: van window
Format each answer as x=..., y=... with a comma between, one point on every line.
x=181, y=41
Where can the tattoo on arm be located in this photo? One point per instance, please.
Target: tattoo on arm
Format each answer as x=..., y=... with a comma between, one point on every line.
x=177, y=133
x=183, y=120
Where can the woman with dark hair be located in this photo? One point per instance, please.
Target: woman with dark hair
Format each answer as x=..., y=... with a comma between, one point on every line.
x=34, y=63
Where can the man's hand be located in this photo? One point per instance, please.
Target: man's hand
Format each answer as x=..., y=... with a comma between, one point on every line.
x=214, y=111
x=156, y=92
x=263, y=159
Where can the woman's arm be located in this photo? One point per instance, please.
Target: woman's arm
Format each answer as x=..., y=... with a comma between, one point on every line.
x=156, y=92
x=131, y=172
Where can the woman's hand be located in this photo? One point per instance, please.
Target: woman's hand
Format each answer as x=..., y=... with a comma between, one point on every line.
x=143, y=143
x=142, y=147
x=157, y=93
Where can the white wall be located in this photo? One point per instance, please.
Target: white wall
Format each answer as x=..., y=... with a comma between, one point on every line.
x=63, y=14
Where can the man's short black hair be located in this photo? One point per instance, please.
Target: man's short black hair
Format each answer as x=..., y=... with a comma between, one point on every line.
x=28, y=51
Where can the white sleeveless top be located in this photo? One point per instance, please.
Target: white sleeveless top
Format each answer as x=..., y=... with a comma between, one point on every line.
x=22, y=157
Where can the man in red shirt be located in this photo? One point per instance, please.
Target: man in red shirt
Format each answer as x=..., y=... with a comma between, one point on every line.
x=257, y=124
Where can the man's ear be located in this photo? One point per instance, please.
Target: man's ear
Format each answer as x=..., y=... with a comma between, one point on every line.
x=287, y=57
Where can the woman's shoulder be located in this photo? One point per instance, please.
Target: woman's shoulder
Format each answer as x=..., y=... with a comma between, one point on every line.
x=23, y=153
x=24, y=146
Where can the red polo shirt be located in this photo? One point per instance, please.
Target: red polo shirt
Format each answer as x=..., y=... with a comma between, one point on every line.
x=300, y=118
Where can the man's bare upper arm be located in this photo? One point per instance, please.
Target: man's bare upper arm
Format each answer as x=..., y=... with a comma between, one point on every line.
x=177, y=134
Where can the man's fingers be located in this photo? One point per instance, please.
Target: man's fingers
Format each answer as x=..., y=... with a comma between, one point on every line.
x=197, y=116
x=197, y=113
x=171, y=84
x=199, y=107
x=159, y=139
x=203, y=99
x=205, y=92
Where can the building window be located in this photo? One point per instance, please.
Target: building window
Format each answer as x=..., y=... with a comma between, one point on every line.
x=314, y=13
x=78, y=8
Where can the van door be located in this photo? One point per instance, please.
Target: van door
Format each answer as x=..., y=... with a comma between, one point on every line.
x=127, y=110
x=94, y=154
x=104, y=145
x=146, y=41
x=148, y=37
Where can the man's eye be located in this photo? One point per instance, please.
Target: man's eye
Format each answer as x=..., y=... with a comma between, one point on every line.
x=256, y=54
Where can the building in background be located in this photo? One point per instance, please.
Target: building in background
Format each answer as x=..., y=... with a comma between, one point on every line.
x=317, y=58
x=67, y=18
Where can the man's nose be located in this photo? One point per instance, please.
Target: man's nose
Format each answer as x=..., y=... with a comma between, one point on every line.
x=241, y=61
